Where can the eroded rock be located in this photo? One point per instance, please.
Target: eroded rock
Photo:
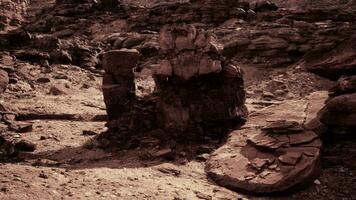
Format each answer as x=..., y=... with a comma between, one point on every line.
x=194, y=82
x=265, y=161
x=4, y=80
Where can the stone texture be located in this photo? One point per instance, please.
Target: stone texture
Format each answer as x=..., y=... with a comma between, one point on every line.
x=340, y=112
x=264, y=162
x=4, y=80
x=338, y=62
x=270, y=154
x=195, y=84
x=119, y=80
x=345, y=85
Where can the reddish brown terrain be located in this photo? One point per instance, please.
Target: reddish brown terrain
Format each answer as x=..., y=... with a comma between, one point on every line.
x=164, y=99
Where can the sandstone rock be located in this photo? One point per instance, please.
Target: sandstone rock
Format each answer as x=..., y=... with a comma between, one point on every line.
x=186, y=65
x=166, y=39
x=340, y=111
x=194, y=83
x=133, y=40
x=344, y=85
x=163, y=69
x=58, y=90
x=120, y=61
x=24, y=145
x=259, y=162
x=338, y=62
x=20, y=127
x=4, y=80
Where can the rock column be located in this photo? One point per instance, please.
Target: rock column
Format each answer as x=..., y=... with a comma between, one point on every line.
x=196, y=86
x=119, y=80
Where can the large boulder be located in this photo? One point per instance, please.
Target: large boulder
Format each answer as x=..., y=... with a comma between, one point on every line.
x=345, y=85
x=278, y=158
x=340, y=112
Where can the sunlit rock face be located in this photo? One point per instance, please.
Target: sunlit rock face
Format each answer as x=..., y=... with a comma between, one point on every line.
x=195, y=84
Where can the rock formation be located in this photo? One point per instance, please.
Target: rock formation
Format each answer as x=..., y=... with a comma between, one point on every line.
x=195, y=84
x=278, y=158
x=339, y=113
x=269, y=154
x=338, y=62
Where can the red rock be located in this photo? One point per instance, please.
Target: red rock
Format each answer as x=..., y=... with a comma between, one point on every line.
x=242, y=165
x=4, y=80
x=340, y=111
x=120, y=61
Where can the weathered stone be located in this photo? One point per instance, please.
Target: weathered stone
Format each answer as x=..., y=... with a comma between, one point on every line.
x=340, y=111
x=24, y=145
x=4, y=80
x=336, y=63
x=186, y=65
x=344, y=85
x=20, y=127
x=254, y=162
x=120, y=61
x=201, y=87
x=163, y=69
x=208, y=65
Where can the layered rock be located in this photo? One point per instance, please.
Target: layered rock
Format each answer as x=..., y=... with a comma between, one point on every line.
x=277, y=158
x=195, y=84
x=336, y=63
x=276, y=151
x=189, y=11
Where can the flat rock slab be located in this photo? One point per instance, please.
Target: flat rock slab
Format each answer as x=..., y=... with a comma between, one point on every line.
x=255, y=162
x=273, y=152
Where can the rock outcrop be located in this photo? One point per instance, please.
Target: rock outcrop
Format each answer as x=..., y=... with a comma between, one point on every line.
x=336, y=63
x=269, y=154
x=278, y=158
x=195, y=84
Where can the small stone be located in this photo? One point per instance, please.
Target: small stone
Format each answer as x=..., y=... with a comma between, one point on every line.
x=20, y=127
x=89, y=133
x=163, y=153
x=317, y=182
x=202, y=195
x=43, y=175
x=24, y=145
x=203, y=157
x=43, y=80
x=57, y=90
